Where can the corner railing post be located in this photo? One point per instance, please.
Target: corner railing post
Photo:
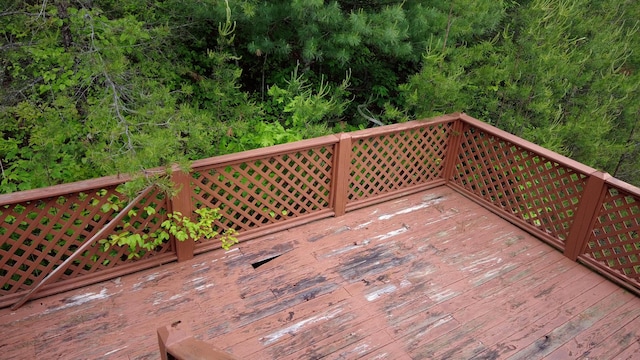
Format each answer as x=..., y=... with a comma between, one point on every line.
x=584, y=218
x=341, y=173
x=453, y=148
x=181, y=202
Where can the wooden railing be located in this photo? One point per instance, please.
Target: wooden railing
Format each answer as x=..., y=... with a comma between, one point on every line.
x=587, y=214
x=176, y=343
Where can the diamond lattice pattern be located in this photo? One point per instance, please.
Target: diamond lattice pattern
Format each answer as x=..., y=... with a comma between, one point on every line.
x=37, y=236
x=528, y=186
x=266, y=191
x=615, y=241
x=385, y=163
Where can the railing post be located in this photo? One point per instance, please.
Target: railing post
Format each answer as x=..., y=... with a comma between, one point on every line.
x=453, y=148
x=341, y=173
x=181, y=202
x=584, y=217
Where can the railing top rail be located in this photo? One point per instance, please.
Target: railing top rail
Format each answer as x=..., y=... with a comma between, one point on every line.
x=97, y=183
x=92, y=184
x=550, y=155
x=409, y=125
x=261, y=153
x=621, y=185
x=62, y=189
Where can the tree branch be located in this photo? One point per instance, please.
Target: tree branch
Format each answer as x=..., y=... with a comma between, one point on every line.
x=449, y=21
x=119, y=108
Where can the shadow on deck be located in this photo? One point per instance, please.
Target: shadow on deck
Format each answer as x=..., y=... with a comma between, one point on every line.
x=428, y=276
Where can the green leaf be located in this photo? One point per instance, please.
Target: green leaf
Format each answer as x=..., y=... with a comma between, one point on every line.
x=181, y=235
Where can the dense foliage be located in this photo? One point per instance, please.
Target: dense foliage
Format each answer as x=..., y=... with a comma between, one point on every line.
x=560, y=73
x=90, y=88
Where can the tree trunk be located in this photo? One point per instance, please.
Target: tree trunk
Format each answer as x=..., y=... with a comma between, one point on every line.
x=65, y=31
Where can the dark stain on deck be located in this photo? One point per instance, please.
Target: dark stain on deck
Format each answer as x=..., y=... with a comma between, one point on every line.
x=372, y=261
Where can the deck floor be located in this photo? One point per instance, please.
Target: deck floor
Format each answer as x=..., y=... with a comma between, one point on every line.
x=428, y=276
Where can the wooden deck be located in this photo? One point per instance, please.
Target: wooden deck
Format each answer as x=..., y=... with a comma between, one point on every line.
x=428, y=276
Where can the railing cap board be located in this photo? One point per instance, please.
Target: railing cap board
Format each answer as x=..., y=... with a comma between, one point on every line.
x=93, y=184
x=409, y=125
x=621, y=185
x=550, y=155
x=98, y=183
x=249, y=155
x=63, y=189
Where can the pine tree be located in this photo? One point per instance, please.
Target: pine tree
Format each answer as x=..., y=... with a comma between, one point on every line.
x=560, y=73
x=90, y=91
x=379, y=43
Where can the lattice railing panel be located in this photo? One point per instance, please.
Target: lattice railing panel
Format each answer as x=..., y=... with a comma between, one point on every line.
x=386, y=163
x=523, y=184
x=266, y=191
x=96, y=259
x=37, y=236
x=615, y=242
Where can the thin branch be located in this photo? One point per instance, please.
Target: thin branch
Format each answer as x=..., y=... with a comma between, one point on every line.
x=11, y=45
x=449, y=21
x=43, y=10
x=121, y=119
x=2, y=168
x=368, y=116
x=11, y=13
x=119, y=108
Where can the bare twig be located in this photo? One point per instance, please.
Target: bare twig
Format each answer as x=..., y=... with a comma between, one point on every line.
x=43, y=9
x=117, y=97
x=449, y=21
x=2, y=168
x=369, y=116
x=11, y=13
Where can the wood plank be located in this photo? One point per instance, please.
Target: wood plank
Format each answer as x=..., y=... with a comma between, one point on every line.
x=630, y=353
x=425, y=307
x=194, y=349
x=358, y=340
x=392, y=351
x=481, y=320
x=516, y=298
x=582, y=343
x=531, y=332
x=434, y=311
x=295, y=335
x=617, y=342
x=521, y=308
x=368, y=347
x=253, y=337
x=570, y=329
x=320, y=327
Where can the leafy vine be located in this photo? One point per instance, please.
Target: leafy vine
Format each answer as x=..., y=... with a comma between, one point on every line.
x=140, y=239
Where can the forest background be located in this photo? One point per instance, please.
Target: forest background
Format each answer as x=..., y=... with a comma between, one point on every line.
x=98, y=87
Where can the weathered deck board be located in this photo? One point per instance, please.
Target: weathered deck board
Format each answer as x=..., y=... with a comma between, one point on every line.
x=431, y=275
x=587, y=339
